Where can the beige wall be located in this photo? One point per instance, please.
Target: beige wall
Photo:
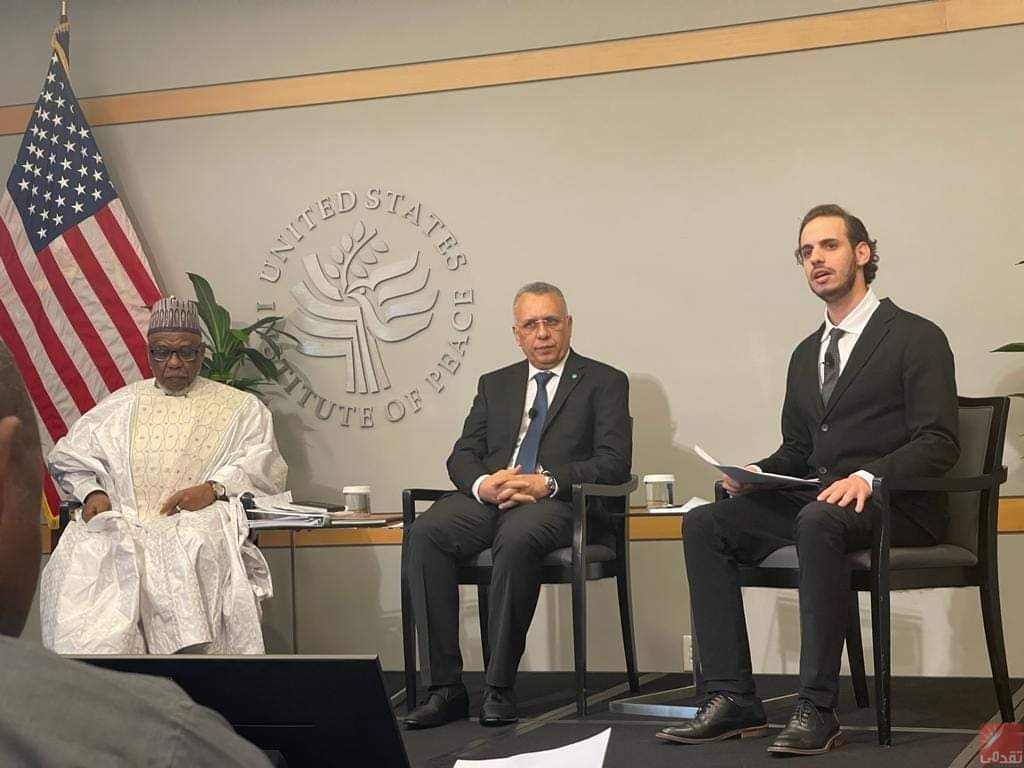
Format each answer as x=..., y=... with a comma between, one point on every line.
x=665, y=203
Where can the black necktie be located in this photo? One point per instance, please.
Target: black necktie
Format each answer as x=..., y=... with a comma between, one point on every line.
x=527, y=458
x=831, y=372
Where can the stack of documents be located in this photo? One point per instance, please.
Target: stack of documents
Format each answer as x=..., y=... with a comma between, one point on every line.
x=281, y=512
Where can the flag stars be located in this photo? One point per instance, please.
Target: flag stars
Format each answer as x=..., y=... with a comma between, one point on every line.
x=60, y=201
x=58, y=219
x=49, y=178
x=32, y=208
x=69, y=145
x=27, y=166
x=60, y=102
x=45, y=215
x=47, y=96
x=98, y=157
x=97, y=176
x=63, y=182
x=44, y=116
x=80, y=190
x=58, y=120
x=47, y=195
x=51, y=77
x=41, y=233
x=96, y=194
x=83, y=171
x=65, y=164
x=23, y=185
x=84, y=150
x=77, y=207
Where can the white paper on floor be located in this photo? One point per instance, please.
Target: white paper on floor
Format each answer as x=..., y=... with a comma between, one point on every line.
x=588, y=753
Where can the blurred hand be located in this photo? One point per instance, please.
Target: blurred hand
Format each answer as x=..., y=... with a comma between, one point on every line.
x=492, y=484
x=189, y=499
x=523, y=489
x=842, y=492
x=736, y=489
x=95, y=503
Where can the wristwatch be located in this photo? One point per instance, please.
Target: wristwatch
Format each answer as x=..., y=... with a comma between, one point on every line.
x=219, y=491
x=550, y=483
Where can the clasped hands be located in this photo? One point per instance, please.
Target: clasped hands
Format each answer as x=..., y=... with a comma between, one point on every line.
x=853, y=488
x=190, y=499
x=508, y=488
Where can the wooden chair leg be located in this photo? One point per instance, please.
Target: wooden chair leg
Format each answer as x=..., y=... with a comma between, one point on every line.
x=626, y=619
x=579, y=637
x=483, y=603
x=882, y=640
x=855, y=653
x=992, y=618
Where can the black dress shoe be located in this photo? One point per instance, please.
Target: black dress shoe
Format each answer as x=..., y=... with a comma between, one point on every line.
x=720, y=717
x=499, y=707
x=442, y=705
x=810, y=731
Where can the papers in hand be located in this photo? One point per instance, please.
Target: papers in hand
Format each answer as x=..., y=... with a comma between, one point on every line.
x=587, y=753
x=743, y=475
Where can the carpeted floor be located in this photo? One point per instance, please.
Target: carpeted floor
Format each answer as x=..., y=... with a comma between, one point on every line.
x=934, y=720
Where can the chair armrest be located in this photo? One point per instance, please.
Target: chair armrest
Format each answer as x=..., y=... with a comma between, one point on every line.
x=411, y=495
x=947, y=484
x=67, y=510
x=585, y=490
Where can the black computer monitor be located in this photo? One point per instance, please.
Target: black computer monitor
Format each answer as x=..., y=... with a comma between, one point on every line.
x=314, y=710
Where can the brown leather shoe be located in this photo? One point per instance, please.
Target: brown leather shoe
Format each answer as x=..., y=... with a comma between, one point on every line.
x=810, y=731
x=442, y=705
x=720, y=717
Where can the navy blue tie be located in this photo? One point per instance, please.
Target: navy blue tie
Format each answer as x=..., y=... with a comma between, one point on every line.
x=527, y=458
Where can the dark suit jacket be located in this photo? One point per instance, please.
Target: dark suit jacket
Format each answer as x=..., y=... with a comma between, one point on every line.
x=893, y=411
x=587, y=435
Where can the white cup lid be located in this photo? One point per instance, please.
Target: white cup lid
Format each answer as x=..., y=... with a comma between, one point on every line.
x=659, y=478
x=356, y=489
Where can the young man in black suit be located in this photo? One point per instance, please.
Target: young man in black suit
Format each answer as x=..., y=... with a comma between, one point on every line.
x=535, y=428
x=870, y=392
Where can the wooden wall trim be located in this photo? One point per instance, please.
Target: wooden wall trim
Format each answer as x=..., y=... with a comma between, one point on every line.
x=927, y=17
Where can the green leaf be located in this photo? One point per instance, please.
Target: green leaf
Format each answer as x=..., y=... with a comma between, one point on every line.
x=263, y=364
x=216, y=318
x=1017, y=346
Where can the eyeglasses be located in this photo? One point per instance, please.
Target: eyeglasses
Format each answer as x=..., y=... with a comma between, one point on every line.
x=185, y=354
x=549, y=323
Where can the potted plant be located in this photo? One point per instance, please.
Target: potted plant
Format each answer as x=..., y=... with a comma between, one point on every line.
x=228, y=349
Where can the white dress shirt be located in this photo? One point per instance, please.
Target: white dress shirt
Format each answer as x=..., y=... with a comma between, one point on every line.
x=524, y=424
x=853, y=327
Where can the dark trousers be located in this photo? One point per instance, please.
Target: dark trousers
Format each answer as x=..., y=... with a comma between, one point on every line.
x=454, y=529
x=744, y=530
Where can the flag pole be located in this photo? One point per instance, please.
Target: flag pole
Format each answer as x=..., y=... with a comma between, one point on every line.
x=63, y=11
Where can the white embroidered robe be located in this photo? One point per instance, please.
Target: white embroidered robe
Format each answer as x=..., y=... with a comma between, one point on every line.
x=133, y=581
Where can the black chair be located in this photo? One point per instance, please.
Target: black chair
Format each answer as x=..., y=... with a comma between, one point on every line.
x=576, y=565
x=967, y=556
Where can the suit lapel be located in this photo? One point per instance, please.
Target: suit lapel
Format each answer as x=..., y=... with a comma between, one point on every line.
x=516, y=397
x=874, y=332
x=571, y=375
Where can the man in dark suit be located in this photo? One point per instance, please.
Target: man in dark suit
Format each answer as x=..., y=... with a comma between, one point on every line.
x=535, y=428
x=870, y=393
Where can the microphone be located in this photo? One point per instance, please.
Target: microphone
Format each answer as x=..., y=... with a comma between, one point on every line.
x=532, y=413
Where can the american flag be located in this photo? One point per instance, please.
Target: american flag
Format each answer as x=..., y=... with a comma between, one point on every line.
x=74, y=281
